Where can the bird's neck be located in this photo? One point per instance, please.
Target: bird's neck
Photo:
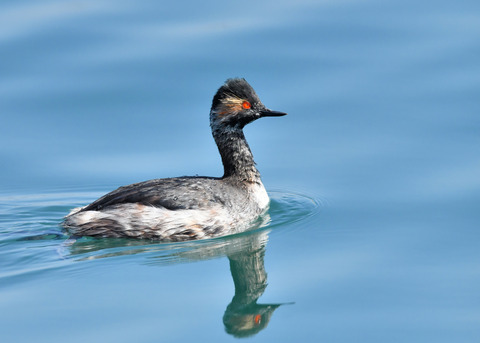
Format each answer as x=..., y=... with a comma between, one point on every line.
x=236, y=155
x=249, y=275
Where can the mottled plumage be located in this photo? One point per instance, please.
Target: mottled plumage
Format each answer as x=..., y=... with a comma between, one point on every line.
x=187, y=208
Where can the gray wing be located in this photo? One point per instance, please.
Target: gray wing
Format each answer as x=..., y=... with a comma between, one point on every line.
x=173, y=193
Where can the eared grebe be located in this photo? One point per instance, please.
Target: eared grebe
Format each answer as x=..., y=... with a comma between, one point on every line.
x=188, y=208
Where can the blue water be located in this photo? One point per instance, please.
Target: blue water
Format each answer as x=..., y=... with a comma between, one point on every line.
x=374, y=175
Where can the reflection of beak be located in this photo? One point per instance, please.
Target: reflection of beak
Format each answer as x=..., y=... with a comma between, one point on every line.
x=274, y=306
x=269, y=113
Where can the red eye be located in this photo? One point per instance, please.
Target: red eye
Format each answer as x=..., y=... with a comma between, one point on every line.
x=258, y=319
x=246, y=105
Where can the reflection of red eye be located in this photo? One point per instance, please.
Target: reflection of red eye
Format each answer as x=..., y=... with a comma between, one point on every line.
x=258, y=319
x=246, y=105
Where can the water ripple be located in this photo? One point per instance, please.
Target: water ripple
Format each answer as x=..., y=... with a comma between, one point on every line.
x=31, y=235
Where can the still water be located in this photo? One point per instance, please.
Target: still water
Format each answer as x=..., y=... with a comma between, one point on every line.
x=372, y=234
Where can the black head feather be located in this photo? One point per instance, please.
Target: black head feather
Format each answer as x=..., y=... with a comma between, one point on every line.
x=236, y=104
x=236, y=87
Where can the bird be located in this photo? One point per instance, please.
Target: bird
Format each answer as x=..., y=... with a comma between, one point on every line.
x=190, y=207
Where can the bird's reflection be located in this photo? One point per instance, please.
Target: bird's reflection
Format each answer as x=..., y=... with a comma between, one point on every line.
x=243, y=317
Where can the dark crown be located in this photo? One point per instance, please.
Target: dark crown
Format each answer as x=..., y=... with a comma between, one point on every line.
x=236, y=87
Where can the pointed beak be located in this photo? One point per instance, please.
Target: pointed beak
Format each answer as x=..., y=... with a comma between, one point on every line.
x=269, y=113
